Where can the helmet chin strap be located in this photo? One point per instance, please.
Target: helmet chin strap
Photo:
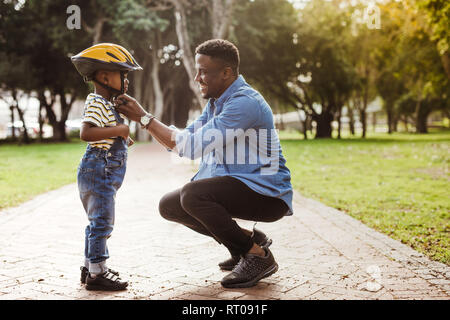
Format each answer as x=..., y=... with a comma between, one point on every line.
x=114, y=92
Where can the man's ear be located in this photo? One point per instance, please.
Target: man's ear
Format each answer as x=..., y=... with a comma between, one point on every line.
x=227, y=73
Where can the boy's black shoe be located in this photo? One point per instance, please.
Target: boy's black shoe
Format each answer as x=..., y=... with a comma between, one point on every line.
x=85, y=271
x=106, y=281
x=250, y=269
x=258, y=237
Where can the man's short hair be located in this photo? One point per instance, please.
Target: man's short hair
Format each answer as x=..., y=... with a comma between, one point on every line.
x=221, y=49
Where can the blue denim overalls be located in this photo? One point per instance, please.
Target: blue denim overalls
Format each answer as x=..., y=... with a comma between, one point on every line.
x=100, y=175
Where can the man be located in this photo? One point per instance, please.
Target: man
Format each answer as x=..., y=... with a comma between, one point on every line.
x=242, y=172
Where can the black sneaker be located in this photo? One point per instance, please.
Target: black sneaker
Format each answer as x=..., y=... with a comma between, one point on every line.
x=230, y=263
x=258, y=237
x=85, y=271
x=106, y=281
x=250, y=269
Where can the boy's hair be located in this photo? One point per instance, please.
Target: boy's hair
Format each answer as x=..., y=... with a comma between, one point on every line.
x=223, y=50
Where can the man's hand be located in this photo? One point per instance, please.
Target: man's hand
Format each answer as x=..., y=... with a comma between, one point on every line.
x=133, y=111
x=129, y=107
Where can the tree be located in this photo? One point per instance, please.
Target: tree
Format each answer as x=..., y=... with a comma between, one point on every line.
x=405, y=77
x=361, y=42
x=217, y=26
x=327, y=76
x=438, y=19
x=44, y=48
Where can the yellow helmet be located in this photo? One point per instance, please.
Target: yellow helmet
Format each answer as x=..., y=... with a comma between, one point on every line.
x=104, y=56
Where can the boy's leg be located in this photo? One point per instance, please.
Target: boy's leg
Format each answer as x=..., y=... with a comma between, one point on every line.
x=101, y=217
x=87, y=231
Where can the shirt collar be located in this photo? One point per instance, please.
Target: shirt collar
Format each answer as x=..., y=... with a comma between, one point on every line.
x=239, y=82
x=94, y=95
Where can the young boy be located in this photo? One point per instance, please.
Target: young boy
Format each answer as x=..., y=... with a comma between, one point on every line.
x=103, y=166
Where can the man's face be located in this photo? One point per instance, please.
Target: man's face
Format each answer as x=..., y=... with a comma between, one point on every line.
x=210, y=76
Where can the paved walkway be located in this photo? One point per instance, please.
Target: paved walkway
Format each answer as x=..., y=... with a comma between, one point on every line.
x=322, y=252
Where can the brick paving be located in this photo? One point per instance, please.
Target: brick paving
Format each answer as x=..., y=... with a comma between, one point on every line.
x=322, y=253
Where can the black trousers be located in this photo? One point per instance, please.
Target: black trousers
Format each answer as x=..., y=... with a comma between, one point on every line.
x=208, y=206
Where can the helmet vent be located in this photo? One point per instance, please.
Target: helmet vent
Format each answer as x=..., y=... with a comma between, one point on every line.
x=112, y=55
x=126, y=57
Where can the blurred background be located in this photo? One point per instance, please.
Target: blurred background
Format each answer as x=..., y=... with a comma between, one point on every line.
x=359, y=90
x=322, y=65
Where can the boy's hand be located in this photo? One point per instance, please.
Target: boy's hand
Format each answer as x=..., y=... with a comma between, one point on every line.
x=130, y=141
x=123, y=130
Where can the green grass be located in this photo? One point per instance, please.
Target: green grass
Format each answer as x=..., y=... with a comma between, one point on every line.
x=397, y=184
x=29, y=170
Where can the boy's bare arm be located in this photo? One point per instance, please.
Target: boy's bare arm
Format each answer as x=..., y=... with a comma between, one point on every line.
x=90, y=132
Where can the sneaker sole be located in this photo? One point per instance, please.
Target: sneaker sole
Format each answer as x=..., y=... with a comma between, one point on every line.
x=84, y=276
x=102, y=288
x=251, y=283
x=265, y=244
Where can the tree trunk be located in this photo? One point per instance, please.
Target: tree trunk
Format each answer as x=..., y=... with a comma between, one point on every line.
x=43, y=104
x=13, y=128
x=98, y=30
x=185, y=45
x=304, y=124
x=395, y=123
x=421, y=119
x=59, y=131
x=59, y=127
x=159, y=97
x=221, y=18
x=363, y=119
x=95, y=31
x=445, y=58
x=390, y=118
x=351, y=122
x=339, y=114
x=374, y=121
x=137, y=92
x=323, y=128
x=421, y=112
x=41, y=123
x=305, y=129
x=421, y=125
x=61, y=124
x=405, y=122
x=25, y=138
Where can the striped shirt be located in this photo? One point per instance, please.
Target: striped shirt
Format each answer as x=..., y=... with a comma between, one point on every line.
x=97, y=111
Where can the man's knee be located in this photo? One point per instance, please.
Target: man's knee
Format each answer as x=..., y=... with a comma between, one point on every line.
x=189, y=196
x=168, y=205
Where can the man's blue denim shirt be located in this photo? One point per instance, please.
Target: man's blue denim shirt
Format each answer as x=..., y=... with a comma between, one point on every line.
x=235, y=136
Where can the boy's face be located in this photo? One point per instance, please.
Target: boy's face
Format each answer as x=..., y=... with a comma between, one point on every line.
x=112, y=79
